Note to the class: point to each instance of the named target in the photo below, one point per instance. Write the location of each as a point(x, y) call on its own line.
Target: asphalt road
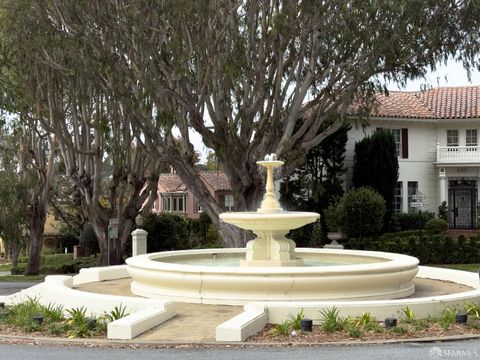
point(448, 350)
point(11, 287)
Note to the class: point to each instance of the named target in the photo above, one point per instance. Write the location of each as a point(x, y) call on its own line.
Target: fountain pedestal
point(271, 248)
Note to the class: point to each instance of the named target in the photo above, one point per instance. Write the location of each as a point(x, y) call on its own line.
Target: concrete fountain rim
point(393, 262)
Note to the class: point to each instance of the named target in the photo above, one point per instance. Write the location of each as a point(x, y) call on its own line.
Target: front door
point(462, 202)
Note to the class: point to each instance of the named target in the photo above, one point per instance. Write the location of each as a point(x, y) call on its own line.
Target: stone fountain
point(271, 268)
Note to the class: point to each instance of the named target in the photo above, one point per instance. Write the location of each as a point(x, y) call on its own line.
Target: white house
point(436, 134)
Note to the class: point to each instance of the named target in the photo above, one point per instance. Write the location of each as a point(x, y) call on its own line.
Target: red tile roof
point(171, 182)
point(218, 180)
point(439, 103)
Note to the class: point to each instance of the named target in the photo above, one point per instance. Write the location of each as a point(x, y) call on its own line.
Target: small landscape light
point(91, 322)
point(306, 325)
point(37, 319)
point(461, 318)
point(390, 322)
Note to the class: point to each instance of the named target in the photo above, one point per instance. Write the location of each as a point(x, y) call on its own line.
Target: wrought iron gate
point(462, 201)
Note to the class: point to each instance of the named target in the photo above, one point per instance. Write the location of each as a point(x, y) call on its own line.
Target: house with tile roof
point(174, 196)
point(436, 134)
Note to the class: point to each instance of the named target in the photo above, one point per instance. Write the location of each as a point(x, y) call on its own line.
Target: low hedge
point(58, 264)
point(429, 249)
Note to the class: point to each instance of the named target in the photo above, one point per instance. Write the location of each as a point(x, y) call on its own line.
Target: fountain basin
point(344, 275)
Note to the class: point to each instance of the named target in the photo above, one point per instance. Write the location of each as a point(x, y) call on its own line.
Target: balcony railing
point(458, 154)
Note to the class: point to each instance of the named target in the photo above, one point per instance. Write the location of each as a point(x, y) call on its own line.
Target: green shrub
point(436, 226)
point(354, 331)
point(443, 211)
point(166, 231)
point(431, 249)
point(412, 221)
point(362, 212)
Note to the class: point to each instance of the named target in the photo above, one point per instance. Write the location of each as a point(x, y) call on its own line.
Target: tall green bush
point(376, 166)
point(362, 212)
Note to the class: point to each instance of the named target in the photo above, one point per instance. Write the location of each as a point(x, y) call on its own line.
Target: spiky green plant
point(118, 312)
point(408, 314)
point(447, 318)
point(473, 309)
point(331, 320)
point(295, 320)
point(281, 329)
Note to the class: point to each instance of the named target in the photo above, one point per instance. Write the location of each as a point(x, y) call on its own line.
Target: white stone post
point(442, 177)
point(139, 242)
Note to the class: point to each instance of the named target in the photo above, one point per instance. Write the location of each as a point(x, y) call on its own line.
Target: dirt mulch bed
point(11, 330)
point(320, 336)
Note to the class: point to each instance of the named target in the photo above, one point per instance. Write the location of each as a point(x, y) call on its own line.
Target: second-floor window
point(452, 137)
point(397, 134)
point(471, 138)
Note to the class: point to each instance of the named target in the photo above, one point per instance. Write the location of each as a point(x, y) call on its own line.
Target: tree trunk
point(101, 232)
point(36, 227)
point(14, 251)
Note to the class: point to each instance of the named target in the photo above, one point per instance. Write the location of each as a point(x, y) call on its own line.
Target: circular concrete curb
point(53, 341)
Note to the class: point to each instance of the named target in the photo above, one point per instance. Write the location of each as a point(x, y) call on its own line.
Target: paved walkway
point(193, 322)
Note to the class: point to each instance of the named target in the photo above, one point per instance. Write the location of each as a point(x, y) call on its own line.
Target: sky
point(451, 74)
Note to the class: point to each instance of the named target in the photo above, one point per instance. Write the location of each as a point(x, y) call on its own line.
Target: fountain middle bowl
point(347, 275)
point(283, 220)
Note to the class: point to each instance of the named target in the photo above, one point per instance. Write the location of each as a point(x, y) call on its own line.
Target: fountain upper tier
point(270, 223)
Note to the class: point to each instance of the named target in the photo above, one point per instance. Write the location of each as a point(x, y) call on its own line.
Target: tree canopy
point(238, 72)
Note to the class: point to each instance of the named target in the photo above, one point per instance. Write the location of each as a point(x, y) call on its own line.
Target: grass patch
point(5, 267)
point(464, 267)
point(21, 278)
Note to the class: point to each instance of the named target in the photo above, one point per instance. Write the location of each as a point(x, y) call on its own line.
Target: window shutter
point(404, 143)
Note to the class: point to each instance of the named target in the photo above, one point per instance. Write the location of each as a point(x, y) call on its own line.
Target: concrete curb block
point(251, 321)
point(135, 324)
point(95, 274)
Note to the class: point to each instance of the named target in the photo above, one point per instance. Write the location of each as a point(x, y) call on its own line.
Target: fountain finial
point(269, 202)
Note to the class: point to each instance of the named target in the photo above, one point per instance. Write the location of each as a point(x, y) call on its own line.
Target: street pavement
point(448, 350)
point(11, 287)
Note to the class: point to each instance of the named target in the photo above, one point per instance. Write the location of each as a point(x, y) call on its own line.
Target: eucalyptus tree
point(30, 152)
point(239, 71)
point(92, 125)
point(15, 183)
